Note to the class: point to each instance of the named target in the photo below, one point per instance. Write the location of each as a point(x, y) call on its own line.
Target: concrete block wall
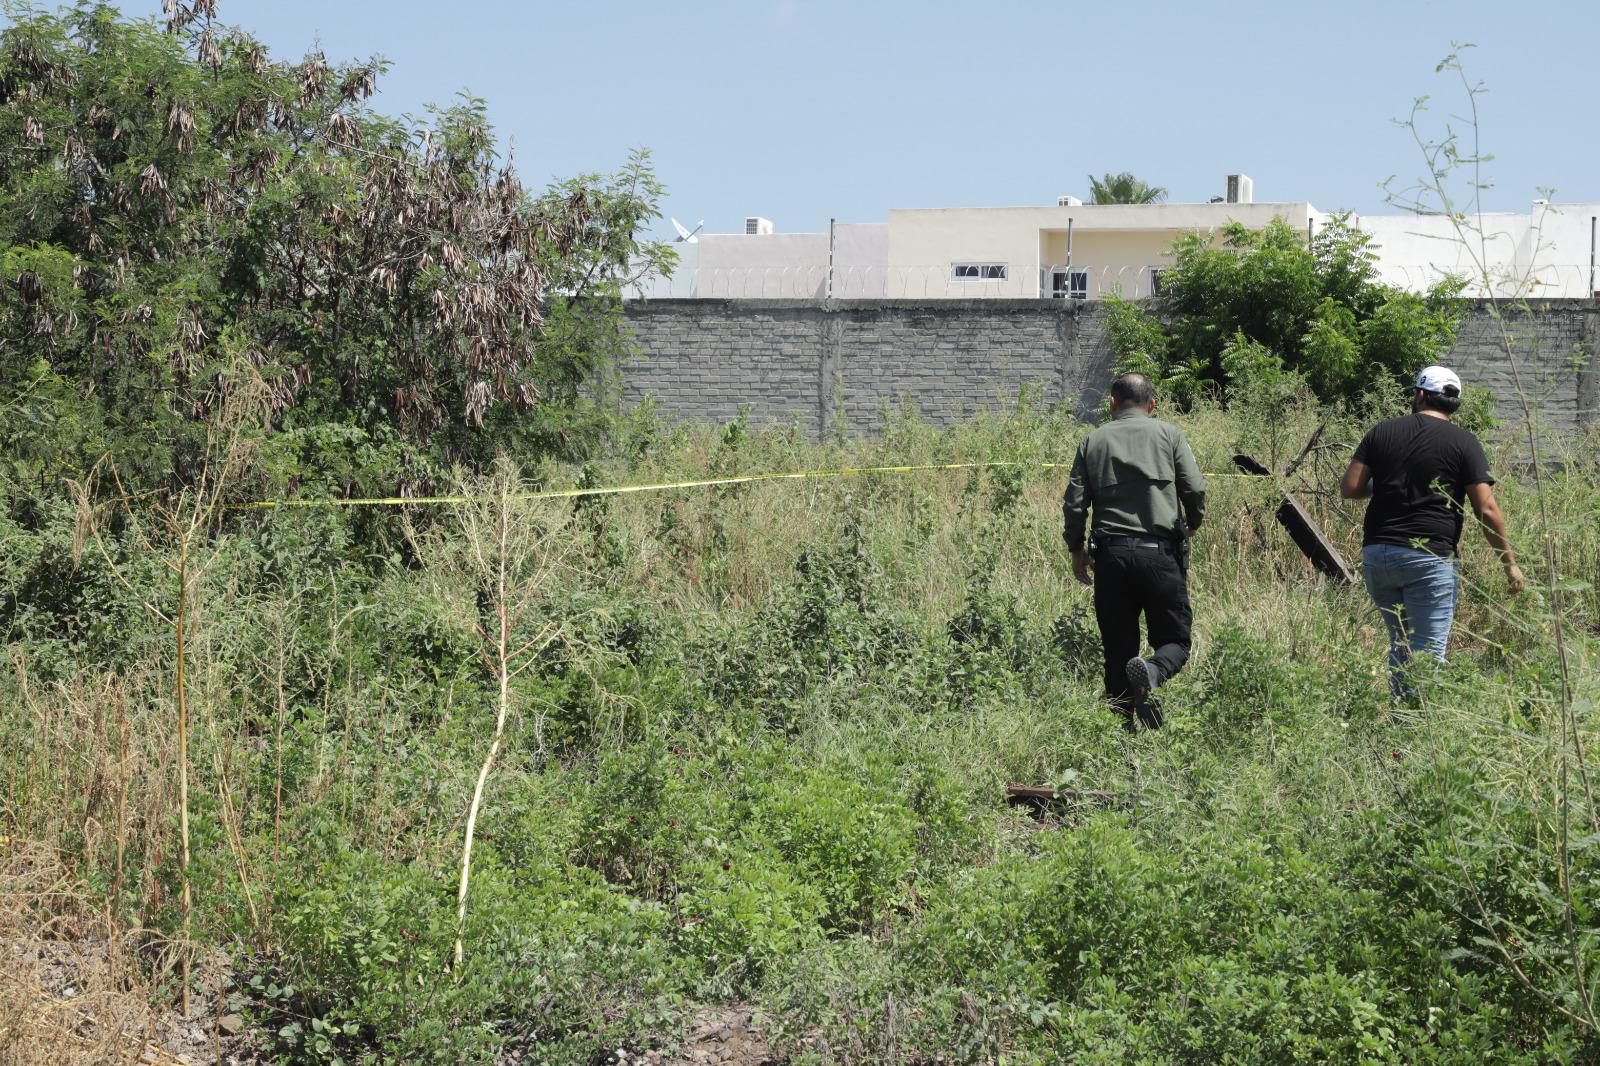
point(947, 365)
point(704, 359)
point(815, 362)
point(1551, 341)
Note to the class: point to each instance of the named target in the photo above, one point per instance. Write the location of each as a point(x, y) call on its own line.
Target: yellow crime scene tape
point(617, 490)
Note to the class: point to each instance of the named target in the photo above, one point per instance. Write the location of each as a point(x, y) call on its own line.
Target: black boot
point(1143, 677)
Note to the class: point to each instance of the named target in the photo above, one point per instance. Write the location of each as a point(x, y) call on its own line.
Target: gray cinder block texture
point(817, 362)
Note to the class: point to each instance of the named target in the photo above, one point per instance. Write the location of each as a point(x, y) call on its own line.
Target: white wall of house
point(1022, 252)
point(1545, 252)
point(781, 265)
point(762, 266)
point(860, 259)
point(677, 285)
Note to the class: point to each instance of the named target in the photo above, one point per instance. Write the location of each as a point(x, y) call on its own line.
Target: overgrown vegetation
point(1270, 315)
point(178, 209)
point(754, 749)
point(534, 780)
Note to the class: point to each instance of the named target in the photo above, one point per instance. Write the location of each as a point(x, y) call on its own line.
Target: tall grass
point(748, 743)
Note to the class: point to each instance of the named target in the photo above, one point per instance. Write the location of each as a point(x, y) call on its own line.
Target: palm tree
point(1123, 188)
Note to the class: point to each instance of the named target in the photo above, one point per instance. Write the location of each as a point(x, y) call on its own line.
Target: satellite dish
point(687, 236)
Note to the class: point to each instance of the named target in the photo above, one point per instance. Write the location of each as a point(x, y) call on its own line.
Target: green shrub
point(852, 839)
point(1075, 638)
point(742, 913)
point(1242, 683)
point(826, 629)
point(628, 828)
point(1268, 308)
point(552, 960)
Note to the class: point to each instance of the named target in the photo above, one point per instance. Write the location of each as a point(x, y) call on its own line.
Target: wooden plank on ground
point(1305, 532)
point(1043, 797)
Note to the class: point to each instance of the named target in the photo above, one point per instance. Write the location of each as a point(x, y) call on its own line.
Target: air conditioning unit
point(755, 225)
point(1240, 189)
point(1068, 201)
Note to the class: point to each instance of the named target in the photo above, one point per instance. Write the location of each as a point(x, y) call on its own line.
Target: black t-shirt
point(1412, 459)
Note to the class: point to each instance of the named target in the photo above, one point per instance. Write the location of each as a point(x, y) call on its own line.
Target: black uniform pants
point(1130, 580)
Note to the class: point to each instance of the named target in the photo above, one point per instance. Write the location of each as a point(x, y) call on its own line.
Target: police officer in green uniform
point(1139, 476)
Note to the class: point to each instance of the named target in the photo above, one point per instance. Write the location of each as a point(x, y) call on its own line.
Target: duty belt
point(1118, 540)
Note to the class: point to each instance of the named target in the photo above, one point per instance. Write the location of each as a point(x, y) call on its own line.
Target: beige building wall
point(1118, 242)
point(924, 245)
point(770, 266)
point(1119, 263)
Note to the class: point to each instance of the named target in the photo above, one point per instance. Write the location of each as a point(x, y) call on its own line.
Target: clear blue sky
point(801, 109)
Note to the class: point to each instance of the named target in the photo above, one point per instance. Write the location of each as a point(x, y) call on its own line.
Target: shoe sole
point(1139, 677)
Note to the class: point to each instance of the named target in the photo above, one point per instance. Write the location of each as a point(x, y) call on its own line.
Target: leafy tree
point(1123, 188)
point(1265, 309)
point(178, 209)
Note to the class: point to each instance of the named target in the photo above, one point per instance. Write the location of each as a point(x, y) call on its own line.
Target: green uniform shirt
point(1136, 471)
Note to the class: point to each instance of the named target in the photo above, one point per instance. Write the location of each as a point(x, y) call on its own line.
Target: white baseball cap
point(1440, 379)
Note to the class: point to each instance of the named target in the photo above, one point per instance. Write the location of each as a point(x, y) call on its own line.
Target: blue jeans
point(1416, 592)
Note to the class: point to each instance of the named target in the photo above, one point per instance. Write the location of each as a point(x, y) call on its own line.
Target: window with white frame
point(1155, 280)
point(1070, 284)
point(977, 272)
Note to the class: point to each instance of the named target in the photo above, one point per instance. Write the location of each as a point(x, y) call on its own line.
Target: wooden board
point(1043, 797)
point(1305, 533)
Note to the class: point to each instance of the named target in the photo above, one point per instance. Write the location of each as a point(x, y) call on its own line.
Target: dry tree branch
point(516, 559)
point(188, 516)
point(503, 698)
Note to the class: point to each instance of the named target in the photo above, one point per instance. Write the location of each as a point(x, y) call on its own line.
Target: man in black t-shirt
point(1419, 471)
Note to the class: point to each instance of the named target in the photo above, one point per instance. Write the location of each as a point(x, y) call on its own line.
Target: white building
point(762, 264)
point(1073, 250)
point(1549, 252)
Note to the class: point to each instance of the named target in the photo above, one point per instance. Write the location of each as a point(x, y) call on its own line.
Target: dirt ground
point(729, 1035)
point(60, 1006)
point(70, 996)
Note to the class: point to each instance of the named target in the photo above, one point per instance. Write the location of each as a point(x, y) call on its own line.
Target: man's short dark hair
point(1132, 390)
point(1447, 402)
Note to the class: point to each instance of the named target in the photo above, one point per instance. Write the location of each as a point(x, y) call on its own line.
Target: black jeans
point(1129, 581)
